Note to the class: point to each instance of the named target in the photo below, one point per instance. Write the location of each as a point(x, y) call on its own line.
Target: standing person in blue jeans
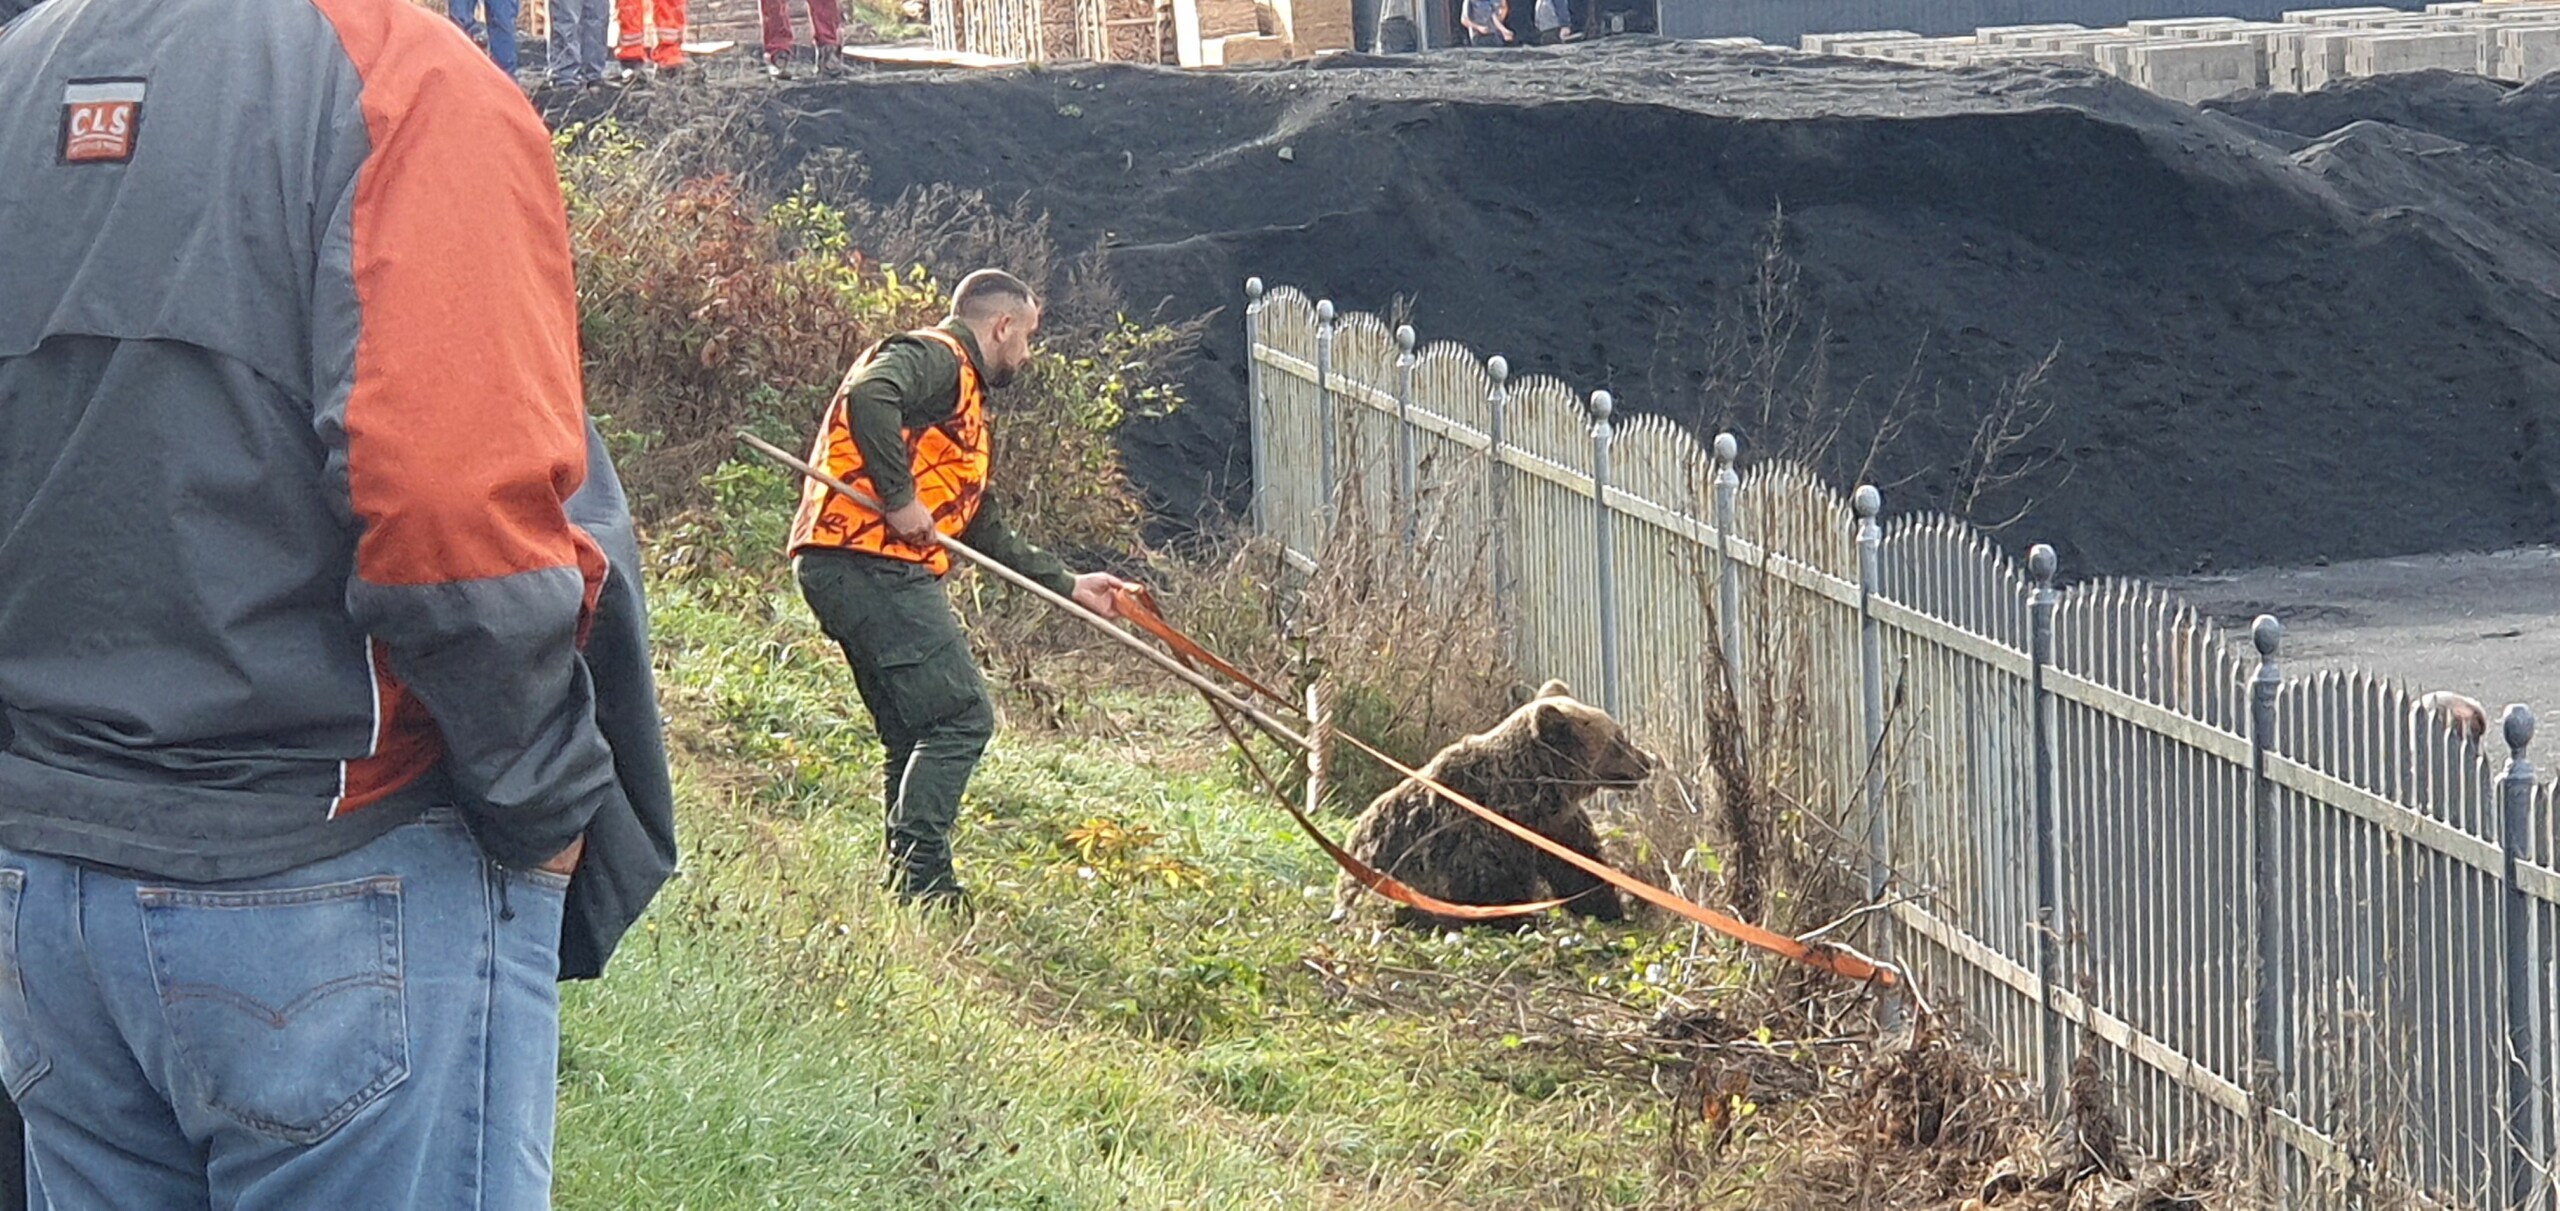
point(498, 35)
point(581, 42)
point(304, 773)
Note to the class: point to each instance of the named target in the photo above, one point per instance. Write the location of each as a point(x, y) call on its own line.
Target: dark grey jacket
point(290, 428)
point(631, 840)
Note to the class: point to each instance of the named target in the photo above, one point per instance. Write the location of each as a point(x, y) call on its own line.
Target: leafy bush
point(709, 307)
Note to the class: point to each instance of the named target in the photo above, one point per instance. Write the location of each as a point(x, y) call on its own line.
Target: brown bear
point(1539, 766)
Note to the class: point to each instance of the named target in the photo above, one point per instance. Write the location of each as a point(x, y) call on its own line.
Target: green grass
point(883, 19)
point(1138, 1027)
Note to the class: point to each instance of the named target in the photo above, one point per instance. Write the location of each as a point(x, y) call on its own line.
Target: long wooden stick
point(1832, 957)
point(1188, 677)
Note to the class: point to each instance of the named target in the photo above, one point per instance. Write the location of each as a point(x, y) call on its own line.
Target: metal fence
point(2299, 921)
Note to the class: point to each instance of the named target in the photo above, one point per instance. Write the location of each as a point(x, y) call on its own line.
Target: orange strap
point(1139, 607)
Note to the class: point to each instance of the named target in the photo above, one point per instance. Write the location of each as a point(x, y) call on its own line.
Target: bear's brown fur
point(1539, 767)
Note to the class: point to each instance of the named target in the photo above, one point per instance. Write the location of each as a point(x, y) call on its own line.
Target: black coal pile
point(2293, 329)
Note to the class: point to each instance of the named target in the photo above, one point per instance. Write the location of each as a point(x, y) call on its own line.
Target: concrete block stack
point(2199, 58)
point(2309, 60)
point(2518, 58)
point(2384, 54)
point(1873, 50)
point(2525, 52)
point(2180, 27)
point(1855, 42)
point(2026, 36)
point(2085, 45)
point(2343, 18)
point(2116, 58)
point(1942, 52)
point(2192, 71)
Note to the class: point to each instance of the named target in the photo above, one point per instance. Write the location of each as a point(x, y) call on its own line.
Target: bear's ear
point(1555, 689)
point(1552, 725)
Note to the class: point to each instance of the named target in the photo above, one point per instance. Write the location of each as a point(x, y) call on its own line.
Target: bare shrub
point(1760, 365)
point(1402, 639)
point(2002, 455)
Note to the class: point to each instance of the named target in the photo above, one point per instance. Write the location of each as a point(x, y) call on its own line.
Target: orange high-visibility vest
point(949, 459)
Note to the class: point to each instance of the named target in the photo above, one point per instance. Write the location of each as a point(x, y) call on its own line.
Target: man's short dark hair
point(988, 292)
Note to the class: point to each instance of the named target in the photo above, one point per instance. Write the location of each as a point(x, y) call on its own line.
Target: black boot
point(920, 872)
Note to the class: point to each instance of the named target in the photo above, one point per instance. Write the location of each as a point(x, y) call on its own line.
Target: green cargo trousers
point(915, 672)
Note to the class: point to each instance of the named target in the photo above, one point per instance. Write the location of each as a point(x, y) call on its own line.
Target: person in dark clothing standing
point(13, 1129)
point(322, 651)
point(909, 426)
point(1487, 22)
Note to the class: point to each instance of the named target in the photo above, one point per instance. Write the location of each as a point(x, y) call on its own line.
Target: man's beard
point(1001, 377)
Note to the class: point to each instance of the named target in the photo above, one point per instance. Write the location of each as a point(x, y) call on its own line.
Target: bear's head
point(1586, 745)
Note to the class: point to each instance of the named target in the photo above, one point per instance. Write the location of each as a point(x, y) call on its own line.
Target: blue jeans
point(501, 27)
point(380, 1029)
point(581, 40)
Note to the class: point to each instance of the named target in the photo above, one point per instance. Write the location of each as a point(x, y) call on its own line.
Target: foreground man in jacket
point(301, 753)
point(910, 427)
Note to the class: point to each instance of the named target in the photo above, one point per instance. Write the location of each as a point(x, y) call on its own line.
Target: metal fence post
point(1601, 436)
point(1868, 503)
point(1326, 421)
point(1498, 477)
point(1258, 409)
point(2524, 1076)
point(2041, 604)
point(1407, 471)
point(1728, 576)
point(2266, 1008)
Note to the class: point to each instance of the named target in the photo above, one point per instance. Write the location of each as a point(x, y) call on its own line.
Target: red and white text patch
point(100, 120)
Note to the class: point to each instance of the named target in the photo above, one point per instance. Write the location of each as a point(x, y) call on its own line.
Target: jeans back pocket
point(21, 1061)
point(285, 1005)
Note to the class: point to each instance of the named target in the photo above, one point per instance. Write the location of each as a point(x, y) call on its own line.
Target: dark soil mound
point(2523, 122)
point(2270, 349)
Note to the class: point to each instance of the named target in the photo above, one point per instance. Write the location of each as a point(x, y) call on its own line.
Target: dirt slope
point(2524, 121)
point(2273, 347)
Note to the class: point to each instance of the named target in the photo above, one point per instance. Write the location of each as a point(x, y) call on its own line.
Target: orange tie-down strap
point(1139, 607)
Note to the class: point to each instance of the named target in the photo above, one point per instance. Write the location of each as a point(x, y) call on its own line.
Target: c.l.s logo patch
point(101, 119)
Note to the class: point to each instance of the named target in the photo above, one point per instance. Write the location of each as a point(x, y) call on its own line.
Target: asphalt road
point(2485, 625)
